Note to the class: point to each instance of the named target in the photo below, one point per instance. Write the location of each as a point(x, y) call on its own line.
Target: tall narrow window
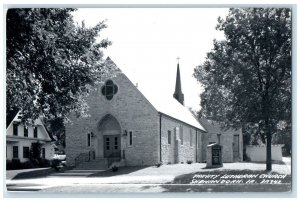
point(43, 153)
point(25, 152)
point(116, 142)
point(35, 132)
point(169, 137)
point(15, 152)
point(88, 139)
point(25, 131)
point(130, 138)
point(15, 129)
point(181, 134)
point(191, 137)
point(219, 138)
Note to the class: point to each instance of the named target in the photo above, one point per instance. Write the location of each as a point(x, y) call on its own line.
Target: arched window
point(109, 89)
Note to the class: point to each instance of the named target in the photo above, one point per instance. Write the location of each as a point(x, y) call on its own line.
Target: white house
point(19, 138)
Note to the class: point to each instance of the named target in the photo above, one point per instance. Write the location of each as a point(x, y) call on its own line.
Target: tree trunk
point(269, 147)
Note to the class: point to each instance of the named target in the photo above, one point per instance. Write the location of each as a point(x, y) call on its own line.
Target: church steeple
point(178, 95)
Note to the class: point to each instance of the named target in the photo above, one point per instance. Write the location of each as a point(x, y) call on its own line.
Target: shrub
point(158, 164)
point(35, 151)
point(114, 168)
point(15, 164)
point(27, 165)
point(9, 165)
point(169, 163)
point(189, 161)
point(44, 163)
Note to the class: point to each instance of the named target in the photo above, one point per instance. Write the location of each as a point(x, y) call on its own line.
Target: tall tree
point(247, 76)
point(51, 62)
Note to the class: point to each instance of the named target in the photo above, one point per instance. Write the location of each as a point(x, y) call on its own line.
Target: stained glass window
point(109, 89)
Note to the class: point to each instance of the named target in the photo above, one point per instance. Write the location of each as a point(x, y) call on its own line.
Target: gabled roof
point(214, 127)
point(17, 119)
point(167, 104)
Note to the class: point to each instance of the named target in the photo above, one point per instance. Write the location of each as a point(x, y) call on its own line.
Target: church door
point(112, 146)
point(235, 148)
point(109, 139)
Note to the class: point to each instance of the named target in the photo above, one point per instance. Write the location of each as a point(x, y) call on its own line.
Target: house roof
point(167, 105)
point(17, 119)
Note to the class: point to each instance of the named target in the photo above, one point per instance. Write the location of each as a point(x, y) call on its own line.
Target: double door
point(112, 146)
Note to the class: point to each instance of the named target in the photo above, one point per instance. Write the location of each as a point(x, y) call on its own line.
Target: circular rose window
point(109, 89)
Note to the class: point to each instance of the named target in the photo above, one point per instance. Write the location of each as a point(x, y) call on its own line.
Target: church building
point(128, 126)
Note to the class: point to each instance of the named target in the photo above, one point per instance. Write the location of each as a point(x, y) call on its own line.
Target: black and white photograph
point(148, 99)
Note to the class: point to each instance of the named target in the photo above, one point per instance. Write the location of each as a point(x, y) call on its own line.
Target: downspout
point(159, 137)
point(196, 145)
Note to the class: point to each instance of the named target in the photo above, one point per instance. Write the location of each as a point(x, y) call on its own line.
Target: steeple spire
point(178, 95)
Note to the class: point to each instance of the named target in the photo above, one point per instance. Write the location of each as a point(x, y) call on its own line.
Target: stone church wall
point(226, 140)
point(134, 114)
point(186, 151)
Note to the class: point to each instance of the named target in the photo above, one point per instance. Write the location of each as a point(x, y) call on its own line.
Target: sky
point(146, 43)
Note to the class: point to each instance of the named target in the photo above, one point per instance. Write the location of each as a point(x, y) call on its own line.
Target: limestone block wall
point(186, 151)
point(134, 114)
point(226, 140)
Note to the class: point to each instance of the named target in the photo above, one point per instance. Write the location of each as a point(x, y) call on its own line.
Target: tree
point(35, 152)
point(57, 128)
point(247, 76)
point(51, 62)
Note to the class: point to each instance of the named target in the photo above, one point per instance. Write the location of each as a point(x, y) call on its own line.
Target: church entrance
point(109, 140)
point(112, 145)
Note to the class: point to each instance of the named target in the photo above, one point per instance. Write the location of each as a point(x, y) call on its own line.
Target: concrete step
point(76, 173)
point(97, 164)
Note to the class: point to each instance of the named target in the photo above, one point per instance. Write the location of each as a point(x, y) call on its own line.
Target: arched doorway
point(110, 131)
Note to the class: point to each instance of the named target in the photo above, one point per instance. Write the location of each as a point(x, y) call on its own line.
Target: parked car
point(59, 160)
point(60, 155)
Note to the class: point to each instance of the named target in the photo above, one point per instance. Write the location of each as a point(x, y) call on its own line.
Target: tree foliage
point(51, 62)
point(35, 151)
point(247, 76)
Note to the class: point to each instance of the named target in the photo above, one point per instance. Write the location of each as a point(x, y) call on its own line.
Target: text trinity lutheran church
point(129, 128)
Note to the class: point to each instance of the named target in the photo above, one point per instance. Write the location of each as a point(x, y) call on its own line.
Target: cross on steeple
point(178, 58)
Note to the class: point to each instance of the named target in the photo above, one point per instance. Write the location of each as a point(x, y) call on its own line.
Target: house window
point(191, 137)
point(25, 131)
point(15, 152)
point(88, 139)
point(181, 135)
point(15, 129)
point(109, 89)
point(35, 132)
point(130, 138)
point(169, 137)
point(43, 153)
point(25, 152)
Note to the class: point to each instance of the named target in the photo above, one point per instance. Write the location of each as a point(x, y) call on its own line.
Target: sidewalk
point(135, 175)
